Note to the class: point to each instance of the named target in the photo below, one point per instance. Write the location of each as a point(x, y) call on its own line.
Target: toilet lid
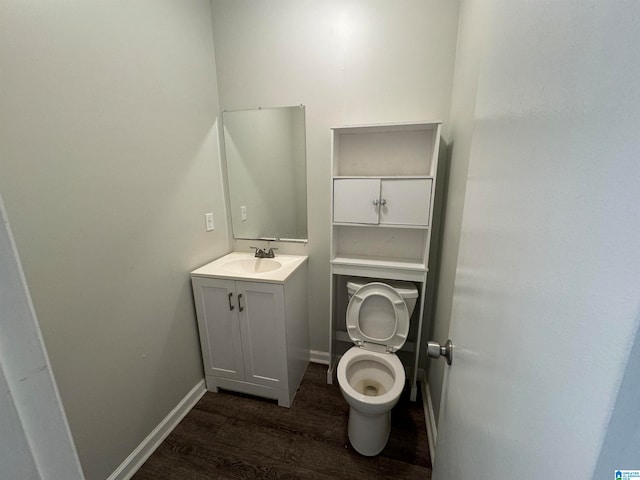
point(377, 318)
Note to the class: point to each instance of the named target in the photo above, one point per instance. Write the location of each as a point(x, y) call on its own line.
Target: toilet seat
point(384, 327)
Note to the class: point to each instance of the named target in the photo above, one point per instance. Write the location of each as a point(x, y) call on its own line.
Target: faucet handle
point(259, 251)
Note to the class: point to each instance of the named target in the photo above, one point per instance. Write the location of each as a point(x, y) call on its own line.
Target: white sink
point(252, 265)
point(245, 266)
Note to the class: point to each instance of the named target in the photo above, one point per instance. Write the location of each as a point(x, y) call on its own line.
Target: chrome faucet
point(264, 253)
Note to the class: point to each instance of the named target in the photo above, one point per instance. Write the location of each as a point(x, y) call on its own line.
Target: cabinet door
point(407, 201)
point(354, 200)
point(262, 324)
point(219, 327)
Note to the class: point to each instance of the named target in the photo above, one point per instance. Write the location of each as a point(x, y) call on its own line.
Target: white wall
point(348, 62)
point(108, 162)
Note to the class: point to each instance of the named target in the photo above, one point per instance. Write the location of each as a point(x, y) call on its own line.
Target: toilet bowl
point(370, 375)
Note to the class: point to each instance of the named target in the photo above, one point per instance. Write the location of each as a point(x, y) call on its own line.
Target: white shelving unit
point(383, 181)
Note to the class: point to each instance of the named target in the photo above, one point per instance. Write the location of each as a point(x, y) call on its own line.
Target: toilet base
point(368, 434)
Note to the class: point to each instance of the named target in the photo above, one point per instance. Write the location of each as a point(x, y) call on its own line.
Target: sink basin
point(252, 265)
point(245, 266)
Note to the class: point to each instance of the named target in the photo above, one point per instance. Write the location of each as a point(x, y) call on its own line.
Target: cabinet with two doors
point(382, 201)
point(383, 185)
point(253, 334)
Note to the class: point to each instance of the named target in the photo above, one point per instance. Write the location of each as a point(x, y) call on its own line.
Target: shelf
point(390, 244)
point(383, 177)
point(386, 150)
point(369, 261)
point(387, 127)
point(381, 225)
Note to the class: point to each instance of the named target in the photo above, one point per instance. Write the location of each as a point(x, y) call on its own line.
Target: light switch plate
point(209, 220)
point(243, 212)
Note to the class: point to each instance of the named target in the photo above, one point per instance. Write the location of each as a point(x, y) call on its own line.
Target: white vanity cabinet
point(253, 334)
point(383, 186)
point(243, 323)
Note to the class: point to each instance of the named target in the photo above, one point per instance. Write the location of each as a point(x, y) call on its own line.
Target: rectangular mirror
point(266, 171)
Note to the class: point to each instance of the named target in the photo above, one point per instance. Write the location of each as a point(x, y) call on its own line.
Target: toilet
point(370, 375)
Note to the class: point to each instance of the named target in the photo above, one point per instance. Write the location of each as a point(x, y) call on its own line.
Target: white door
point(35, 439)
point(263, 333)
point(405, 201)
point(547, 288)
point(356, 200)
point(218, 324)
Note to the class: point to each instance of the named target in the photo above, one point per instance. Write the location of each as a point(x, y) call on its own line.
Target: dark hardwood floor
point(234, 436)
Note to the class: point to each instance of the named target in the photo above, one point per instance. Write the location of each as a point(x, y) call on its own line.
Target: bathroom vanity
point(383, 184)
point(252, 319)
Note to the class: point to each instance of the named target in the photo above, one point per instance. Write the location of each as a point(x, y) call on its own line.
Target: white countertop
point(217, 269)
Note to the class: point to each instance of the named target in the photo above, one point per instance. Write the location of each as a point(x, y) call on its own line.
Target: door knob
point(435, 350)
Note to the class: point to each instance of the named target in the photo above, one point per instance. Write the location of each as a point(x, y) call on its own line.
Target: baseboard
point(143, 451)
point(317, 356)
point(429, 416)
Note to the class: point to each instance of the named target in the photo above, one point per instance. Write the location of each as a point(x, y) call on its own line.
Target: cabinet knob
point(383, 202)
point(240, 307)
point(230, 305)
point(376, 202)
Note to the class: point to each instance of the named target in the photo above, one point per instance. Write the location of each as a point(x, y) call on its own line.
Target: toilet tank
point(407, 290)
